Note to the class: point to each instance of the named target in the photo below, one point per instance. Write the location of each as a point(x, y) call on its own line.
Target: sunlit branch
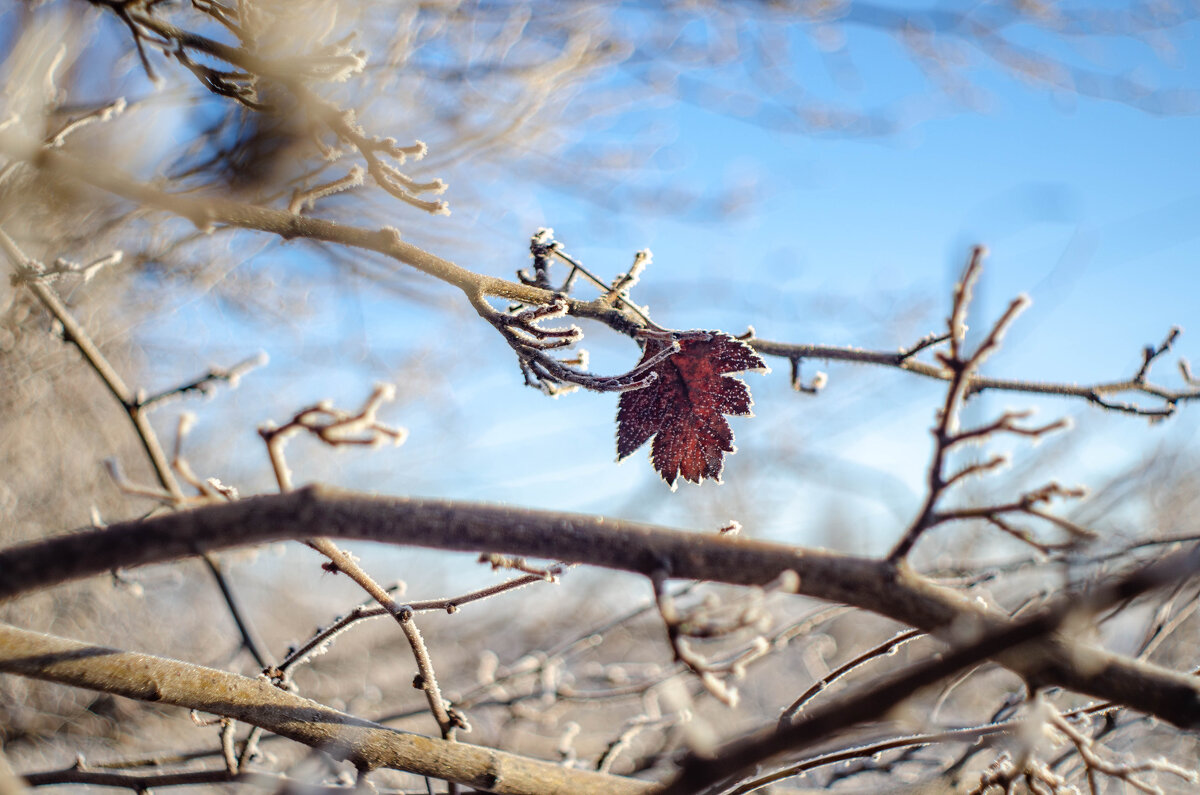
point(257, 702)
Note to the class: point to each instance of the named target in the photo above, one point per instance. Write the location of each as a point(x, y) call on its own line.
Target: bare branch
point(888, 647)
point(257, 702)
point(207, 212)
point(205, 384)
point(341, 428)
point(875, 585)
point(1100, 394)
point(321, 639)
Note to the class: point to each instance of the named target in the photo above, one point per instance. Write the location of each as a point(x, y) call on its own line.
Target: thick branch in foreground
point(257, 702)
point(890, 590)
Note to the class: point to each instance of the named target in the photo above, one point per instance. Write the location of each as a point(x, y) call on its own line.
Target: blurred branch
point(80, 773)
point(680, 627)
point(986, 33)
point(29, 272)
point(206, 212)
point(872, 702)
point(335, 65)
point(1124, 770)
point(10, 784)
point(249, 636)
point(335, 427)
point(876, 585)
point(205, 384)
point(257, 702)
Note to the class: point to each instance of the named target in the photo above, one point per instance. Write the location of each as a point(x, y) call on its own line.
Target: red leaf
point(684, 408)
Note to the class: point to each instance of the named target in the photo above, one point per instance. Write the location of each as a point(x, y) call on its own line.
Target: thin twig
point(204, 384)
point(27, 273)
point(948, 435)
point(971, 734)
point(888, 647)
point(337, 428)
point(447, 719)
point(249, 636)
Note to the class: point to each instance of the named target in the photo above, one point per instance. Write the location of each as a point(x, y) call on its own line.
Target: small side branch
point(531, 342)
point(334, 427)
point(338, 428)
point(948, 436)
point(205, 384)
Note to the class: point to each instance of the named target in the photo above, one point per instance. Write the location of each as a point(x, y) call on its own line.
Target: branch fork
point(963, 368)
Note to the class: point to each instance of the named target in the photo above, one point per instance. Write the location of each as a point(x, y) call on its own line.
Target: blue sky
point(1089, 206)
